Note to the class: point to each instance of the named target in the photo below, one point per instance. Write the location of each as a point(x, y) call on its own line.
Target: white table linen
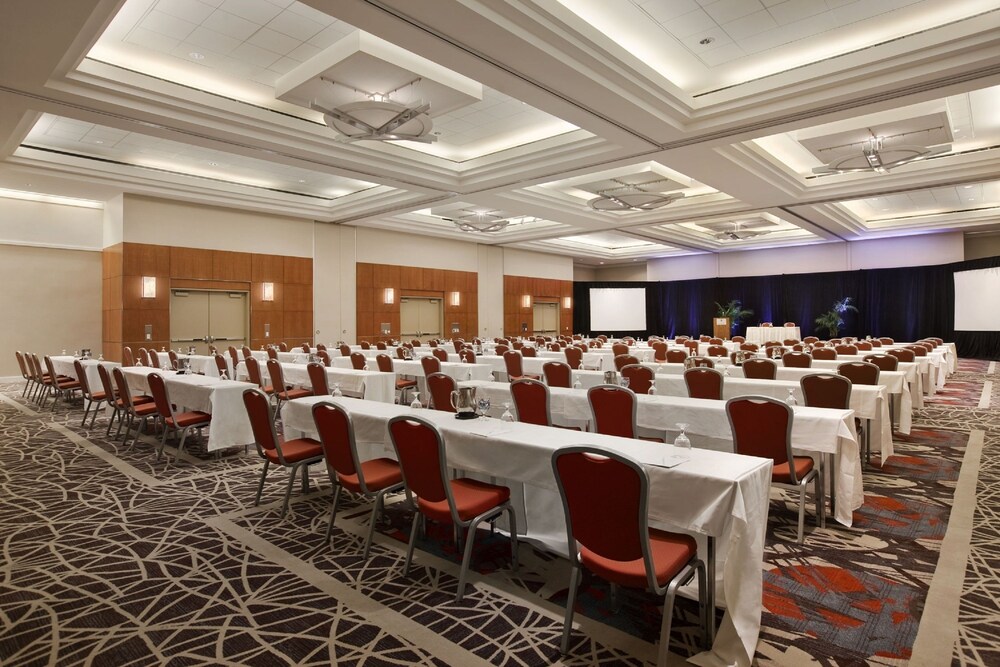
point(722, 495)
point(371, 385)
point(761, 335)
point(63, 365)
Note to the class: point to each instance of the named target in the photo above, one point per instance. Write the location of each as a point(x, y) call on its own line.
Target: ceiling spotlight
point(194, 55)
point(633, 197)
point(378, 118)
point(880, 158)
point(737, 233)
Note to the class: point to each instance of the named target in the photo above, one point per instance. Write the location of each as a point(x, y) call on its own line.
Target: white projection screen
point(977, 300)
point(617, 309)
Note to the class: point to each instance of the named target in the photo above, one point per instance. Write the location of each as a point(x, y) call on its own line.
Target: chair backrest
point(365, 345)
point(772, 343)
point(874, 342)
point(789, 324)
point(788, 342)
point(501, 349)
point(512, 361)
point(123, 391)
point(809, 340)
point(864, 346)
point(717, 351)
point(261, 416)
point(272, 353)
point(885, 362)
point(345, 350)
point(619, 348)
point(233, 354)
point(415, 342)
point(106, 382)
point(614, 410)
point(796, 360)
point(283, 346)
point(320, 347)
point(420, 451)
point(885, 340)
point(760, 369)
point(325, 358)
point(702, 362)
point(440, 353)
point(859, 372)
point(529, 351)
point(715, 341)
point(557, 374)
point(824, 353)
point(381, 345)
point(762, 426)
point(640, 378)
point(903, 354)
point(846, 349)
point(220, 364)
point(430, 364)
point(612, 524)
point(738, 339)
point(154, 359)
point(826, 390)
point(749, 347)
point(158, 388)
point(676, 356)
point(574, 357)
point(358, 361)
point(767, 324)
point(703, 338)
point(918, 350)
point(276, 374)
point(400, 354)
point(127, 358)
point(144, 357)
point(175, 361)
point(692, 346)
point(531, 401)
point(623, 360)
point(253, 370)
point(467, 355)
point(336, 433)
point(81, 377)
point(384, 362)
point(660, 351)
point(440, 387)
point(317, 378)
point(703, 383)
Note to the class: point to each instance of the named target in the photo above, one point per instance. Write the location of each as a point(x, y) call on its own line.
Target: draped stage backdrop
point(905, 304)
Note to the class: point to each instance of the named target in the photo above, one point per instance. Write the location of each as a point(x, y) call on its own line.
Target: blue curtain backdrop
point(905, 304)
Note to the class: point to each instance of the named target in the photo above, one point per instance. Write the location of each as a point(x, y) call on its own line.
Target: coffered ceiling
point(723, 108)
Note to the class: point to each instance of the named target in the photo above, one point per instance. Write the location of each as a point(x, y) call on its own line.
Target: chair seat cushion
point(98, 396)
point(525, 377)
point(405, 384)
point(379, 474)
point(297, 450)
point(472, 498)
point(145, 409)
point(292, 394)
point(185, 419)
point(670, 552)
point(69, 384)
point(782, 473)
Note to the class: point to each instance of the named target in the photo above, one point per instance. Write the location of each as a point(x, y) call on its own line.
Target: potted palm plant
point(833, 319)
point(734, 310)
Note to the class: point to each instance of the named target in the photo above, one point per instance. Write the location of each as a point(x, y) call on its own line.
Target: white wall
point(874, 254)
point(176, 223)
point(536, 264)
point(584, 274)
point(51, 301)
point(633, 272)
point(24, 222)
point(490, 283)
point(978, 246)
point(379, 246)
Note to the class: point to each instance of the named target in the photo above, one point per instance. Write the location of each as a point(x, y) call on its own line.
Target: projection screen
point(977, 300)
point(617, 309)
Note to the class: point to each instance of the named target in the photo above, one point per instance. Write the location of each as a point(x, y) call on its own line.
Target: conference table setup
point(719, 497)
point(63, 364)
point(367, 384)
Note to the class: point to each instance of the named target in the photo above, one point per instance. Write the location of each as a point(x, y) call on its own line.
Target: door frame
point(424, 296)
point(186, 286)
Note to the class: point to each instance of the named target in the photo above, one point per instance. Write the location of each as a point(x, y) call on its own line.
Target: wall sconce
point(389, 296)
point(526, 301)
point(567, 302)
point(148, 287)
point(268, 292)
point(455, 298)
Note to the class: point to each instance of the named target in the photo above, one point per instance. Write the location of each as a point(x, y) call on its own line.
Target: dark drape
point(905, 304)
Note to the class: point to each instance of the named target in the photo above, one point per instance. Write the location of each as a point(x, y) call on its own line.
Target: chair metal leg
point(376, 510)
point(260, 486)
point(413, 541)
point(463, 574)
point(288, 489)
point(86, 412)
point(819, 490)
point(703, 603)
point(93, 417)
point(512, 519)
point(667, 622)
point(802, 511)
point(615, 599)
point(184, 434)
point(333, 515)
point(574, 576)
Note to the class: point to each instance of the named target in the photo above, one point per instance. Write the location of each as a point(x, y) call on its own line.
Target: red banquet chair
point(463, 502)
point(295, 454)
point(372, 479)
point(824, 353)
point(282, 392)
point(359, 361)
point(173, 421)
point(515, 371)
point(440, 387)
point(531, 402)
point(623, 360)
point(703, 383)
point(796, 360)
point(557, 374)
point(613, 409)
point(640, 378)
point(609, 535)
point(676, 356)
point(318, 379)
point(762, 426)
point(430, 364)
point(574, 357)
point(760, 369)
point(385, 365)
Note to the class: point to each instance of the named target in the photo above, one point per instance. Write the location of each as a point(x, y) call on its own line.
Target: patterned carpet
point(112, 558)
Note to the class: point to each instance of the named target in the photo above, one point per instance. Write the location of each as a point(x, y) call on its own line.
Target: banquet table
point(714, 495)
point(63, 365)
point(204, 364)
point(459, 371)
point(222, 398)
point(371, 385)
point(761, 335)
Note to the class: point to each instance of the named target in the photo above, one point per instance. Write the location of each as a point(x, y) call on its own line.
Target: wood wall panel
point(231, 265)
point(191, 263)
point(545, 289)
point(298, 270)
point(296, 297)
point(267, 269)
point(276, 319)
point(143, 259)
point(298, 326)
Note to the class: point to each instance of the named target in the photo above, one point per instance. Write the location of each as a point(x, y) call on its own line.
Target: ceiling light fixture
point(378, 118)
point(633, 197)
point(487, 222)
point(880, 158)
point(737, 233)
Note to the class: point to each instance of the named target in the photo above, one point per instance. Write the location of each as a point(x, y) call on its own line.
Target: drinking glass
point(507, 415)
point(623, 382)
point(484, 406)
point(791, 400)
point(415, 403)
point(577, 384)
point(336, 389)
point(682, 441)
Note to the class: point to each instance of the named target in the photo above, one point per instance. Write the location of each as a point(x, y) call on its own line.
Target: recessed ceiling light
point(707, 40)
point(602, 262)
point(98, 142)
point(966, 186)
point(302, 180)
point(213, 164)
point(196, 56)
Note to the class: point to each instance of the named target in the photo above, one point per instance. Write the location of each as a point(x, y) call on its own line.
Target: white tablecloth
point(721, 495)
point(222, 398)
point(63, 365)
point(371, 385)
point(760, 335)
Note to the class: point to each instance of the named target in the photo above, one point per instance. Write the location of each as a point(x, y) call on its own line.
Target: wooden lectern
point(720, 327)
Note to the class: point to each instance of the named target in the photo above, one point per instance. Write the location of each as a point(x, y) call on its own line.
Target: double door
point(205, 317)
point(420, 318)
point(546, 318)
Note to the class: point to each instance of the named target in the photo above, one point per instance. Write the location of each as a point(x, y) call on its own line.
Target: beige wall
point(978, 246)
point(536, 264)
point(51, 300)
point(584, 274)
point(632, 272)
point(24, 222)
